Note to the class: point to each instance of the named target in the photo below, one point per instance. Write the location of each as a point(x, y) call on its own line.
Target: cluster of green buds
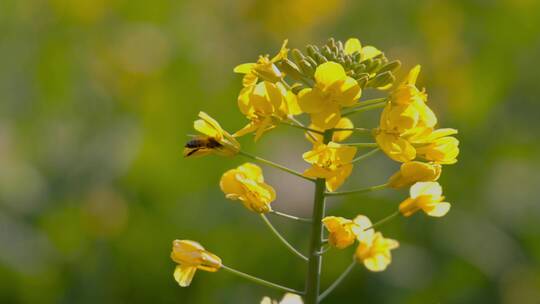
point(367, 65)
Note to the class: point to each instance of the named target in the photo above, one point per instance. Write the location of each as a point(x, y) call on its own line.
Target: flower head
point(333, 90)
point(246, 183)
point(264, 68)
point(332, 162)
point(213, 139)
point(288, 298)
point(264, 104)
point(425, 196)
point(440, 147)
point(340, 229)
point(374, 252)
point(190, 256)
point(343, 232)
point(414, 171)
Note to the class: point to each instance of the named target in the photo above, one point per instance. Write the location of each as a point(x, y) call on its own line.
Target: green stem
point(260, 281)
point(364, 190)
point(366, 155)
point(363, 103)
point(278, 166)
point(282, 239)
point(292, 217)
point(362, 130)
point(384, 220)
point(364, 109)
point(337, 281)
point(300, 127)
point(313, 279)
point(310, 134)
point(362, 145)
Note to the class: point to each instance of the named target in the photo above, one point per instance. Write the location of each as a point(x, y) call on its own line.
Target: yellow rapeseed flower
point(343, 232)
point(340, 231)
point(414, 171)
point(264, 104)
point(426, 196)
point(288, 298)
point(374, 252)
point(264, 68)
point(396, 147)
point(404, 118)
point(213, 139)
point(439, 147)
point(332, 162)
point(333, 90)
point(246, 183)
point(190, 256)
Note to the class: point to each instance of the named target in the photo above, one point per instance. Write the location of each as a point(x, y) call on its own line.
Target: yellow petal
point(343, 123)
point(244, 68)
point(326, 119)
point(426, 188)
point(413, 75)
point(350, 92)
point(369, 52)
point(334, 182)
point(329, 73)
point(230, 185)
point(311, 101)
point(183, 274)
point(352, 45)
point(378, 262)
point(252, 171)
point(438, 209)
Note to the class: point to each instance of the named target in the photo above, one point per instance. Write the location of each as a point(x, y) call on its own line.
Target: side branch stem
point(364, 190)
point(282, 239)
point(337, 281)
point(292, 217)
point(366, 155)
point(384, 220)
point(364, 109)
point(260, 281)
point(278, 166)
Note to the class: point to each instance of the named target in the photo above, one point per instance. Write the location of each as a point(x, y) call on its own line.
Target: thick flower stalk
point(318, 91)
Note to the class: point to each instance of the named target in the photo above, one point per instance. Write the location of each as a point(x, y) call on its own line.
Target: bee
point(200, 145)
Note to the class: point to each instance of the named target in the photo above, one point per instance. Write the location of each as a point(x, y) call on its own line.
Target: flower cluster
point(317, 91)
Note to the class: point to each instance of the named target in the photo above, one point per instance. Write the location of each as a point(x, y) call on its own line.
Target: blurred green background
point(96, 99)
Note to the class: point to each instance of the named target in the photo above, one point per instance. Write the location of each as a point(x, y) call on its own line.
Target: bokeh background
point(96, 99)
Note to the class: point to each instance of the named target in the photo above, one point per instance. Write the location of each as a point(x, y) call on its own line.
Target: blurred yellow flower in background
point(288, 298)
point(374, 252)
point(425, 196)
point(333, 90)
point(414, 171)
point(246, 183)
point(190, 256)
point(332, 162)
point(213, 139)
